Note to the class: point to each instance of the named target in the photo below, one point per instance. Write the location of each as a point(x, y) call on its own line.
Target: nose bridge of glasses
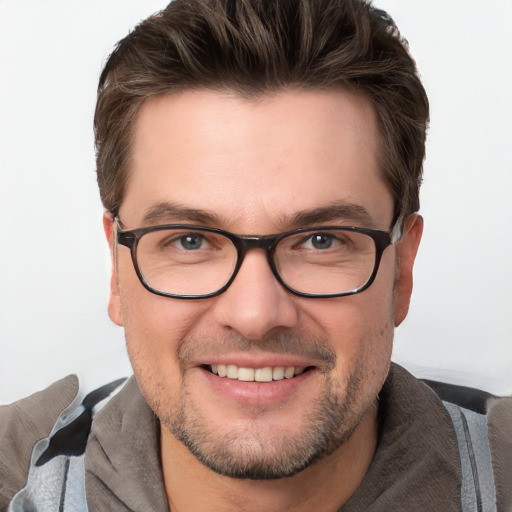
point(246, 243)
point(263, 244)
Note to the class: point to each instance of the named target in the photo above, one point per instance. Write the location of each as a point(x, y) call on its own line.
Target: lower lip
point(255, 393)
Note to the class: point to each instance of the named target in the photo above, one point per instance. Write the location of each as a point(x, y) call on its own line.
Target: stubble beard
point(256, 455)
point(265, 454)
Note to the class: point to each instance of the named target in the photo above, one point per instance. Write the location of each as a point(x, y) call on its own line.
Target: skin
point(250, 166)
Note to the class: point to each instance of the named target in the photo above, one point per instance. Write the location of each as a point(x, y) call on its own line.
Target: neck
point(324, 486)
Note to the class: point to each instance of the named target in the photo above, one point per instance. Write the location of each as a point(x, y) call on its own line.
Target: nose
point(255, 302)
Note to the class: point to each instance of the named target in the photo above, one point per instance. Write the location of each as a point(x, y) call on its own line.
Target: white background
point(54, 264)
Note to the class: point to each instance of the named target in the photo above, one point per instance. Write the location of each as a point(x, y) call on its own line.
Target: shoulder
point(485, 418)
point(500, 440)
point(22, 424)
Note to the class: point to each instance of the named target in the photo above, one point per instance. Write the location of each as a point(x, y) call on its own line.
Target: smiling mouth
point(267, 374)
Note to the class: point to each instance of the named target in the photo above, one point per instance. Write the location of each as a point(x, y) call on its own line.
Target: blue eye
point(191, 242)
point(321, 241)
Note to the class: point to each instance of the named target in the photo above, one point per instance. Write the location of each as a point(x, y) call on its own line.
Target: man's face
point(258, 167)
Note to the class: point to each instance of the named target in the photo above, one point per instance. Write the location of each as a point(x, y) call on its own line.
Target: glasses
point(191, 262)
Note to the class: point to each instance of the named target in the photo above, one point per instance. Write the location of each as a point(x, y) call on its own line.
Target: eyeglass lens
point(196, 262)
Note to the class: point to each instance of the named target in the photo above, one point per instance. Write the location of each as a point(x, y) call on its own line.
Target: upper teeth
point(266, 374)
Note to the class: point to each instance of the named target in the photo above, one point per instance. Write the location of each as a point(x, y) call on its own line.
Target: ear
point(114, 302)
point(406, 254)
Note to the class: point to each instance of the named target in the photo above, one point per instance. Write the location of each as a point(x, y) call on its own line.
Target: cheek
point(153, 324)
point(370, 335)
point(378, 326)
point(154, 328)
point(356, 323)
point(360, 330)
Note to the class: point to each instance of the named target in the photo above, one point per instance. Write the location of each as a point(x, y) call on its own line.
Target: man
point(259, 164)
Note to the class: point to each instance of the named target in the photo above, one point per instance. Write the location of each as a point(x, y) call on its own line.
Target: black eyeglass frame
point(243, 243)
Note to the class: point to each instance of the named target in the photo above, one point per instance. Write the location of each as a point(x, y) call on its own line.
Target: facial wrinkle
point(316, 350)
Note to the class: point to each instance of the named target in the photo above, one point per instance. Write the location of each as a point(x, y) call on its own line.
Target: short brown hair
point(257, 46)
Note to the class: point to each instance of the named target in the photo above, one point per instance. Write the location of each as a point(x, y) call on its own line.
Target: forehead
point(255, 162)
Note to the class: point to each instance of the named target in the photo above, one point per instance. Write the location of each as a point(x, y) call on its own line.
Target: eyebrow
point(163, 213)
point(339, 211)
